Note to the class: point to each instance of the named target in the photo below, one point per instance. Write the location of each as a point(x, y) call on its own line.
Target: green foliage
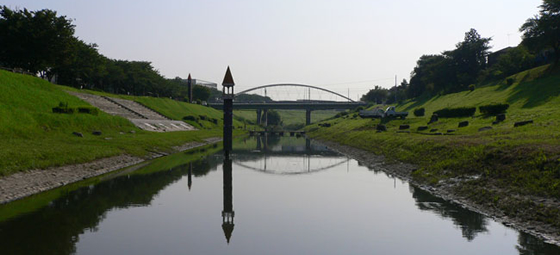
point(493, 109)
point(191, 118)
point(472, 87)
point(419, 112)
point(456, 112)
point(451, 71)
point(542, 31)
point(273, 118)
point(201, 93)
point(89, 110)
point(34, 40)
point(377, 95)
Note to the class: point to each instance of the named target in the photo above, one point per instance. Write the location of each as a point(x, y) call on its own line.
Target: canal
point(276, 196)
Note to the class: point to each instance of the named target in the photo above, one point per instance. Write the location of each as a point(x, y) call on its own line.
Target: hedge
point(456, 112)
point(493, 109)
point(419, 112)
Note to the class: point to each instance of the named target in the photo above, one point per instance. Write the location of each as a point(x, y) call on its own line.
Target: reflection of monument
point(228, 213)
point(189, 182)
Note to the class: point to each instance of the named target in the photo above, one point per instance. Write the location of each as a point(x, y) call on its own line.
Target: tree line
point(43, 43)
point(471, 62)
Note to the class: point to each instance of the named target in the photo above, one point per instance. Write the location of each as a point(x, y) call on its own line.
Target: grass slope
point(33, 137)
point(505, 160)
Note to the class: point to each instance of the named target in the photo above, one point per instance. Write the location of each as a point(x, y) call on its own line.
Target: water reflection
point(57, 228)
point(227, 213)
point(470, 223)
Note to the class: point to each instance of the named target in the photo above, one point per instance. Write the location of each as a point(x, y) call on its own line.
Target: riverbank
point(449, 191)
point(23, 184)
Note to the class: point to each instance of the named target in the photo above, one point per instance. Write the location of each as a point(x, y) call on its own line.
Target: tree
point(377, 95)
point(201, 93)
point(36, 41)
point(543, 30)
point(469, 57)
point(273, 118)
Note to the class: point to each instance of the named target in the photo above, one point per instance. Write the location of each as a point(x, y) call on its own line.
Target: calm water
point(279, 196)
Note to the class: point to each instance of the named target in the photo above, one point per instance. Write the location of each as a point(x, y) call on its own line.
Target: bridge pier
point(307, 117)
point(265, 118)
point(259, 115)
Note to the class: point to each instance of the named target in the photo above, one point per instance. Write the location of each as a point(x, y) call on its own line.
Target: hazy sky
point(335, 44)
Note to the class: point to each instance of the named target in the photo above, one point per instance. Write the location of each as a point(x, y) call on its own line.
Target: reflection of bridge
point(301, 156)
point(307, 105)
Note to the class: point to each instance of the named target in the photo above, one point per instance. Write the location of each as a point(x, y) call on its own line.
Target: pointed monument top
point(228, 229)
point(189, 77)
point(228, 79)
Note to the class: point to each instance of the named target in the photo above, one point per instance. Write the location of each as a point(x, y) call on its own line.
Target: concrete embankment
point(23, 184)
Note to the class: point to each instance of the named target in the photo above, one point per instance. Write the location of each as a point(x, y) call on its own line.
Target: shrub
point(341, 114)
point(493, 109)
point(191, 118)
point(419, 112)
point(456, 112)
point(88, 110)
point(359, 108)
point(203, 117)
point(510, 81)
point(63, 108)
point(472, 87)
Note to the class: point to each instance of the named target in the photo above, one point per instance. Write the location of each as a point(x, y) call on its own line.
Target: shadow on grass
point(536, 92)
point(420, 101)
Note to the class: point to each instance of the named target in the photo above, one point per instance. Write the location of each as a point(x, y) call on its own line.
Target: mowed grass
point(523, 159)
point(33, 137)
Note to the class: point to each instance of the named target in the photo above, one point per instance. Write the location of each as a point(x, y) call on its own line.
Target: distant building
point(210, 85)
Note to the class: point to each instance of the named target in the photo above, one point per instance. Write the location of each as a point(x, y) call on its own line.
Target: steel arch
point(293, 85)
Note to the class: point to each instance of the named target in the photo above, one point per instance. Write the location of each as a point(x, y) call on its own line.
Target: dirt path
point(23, 184)
point(448, 192)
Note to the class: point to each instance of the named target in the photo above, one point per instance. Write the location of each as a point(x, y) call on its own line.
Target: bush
point(493, 109)
point(472, 87)
point(203, 117)
point(510, 81)
point(88, 110)
point(341, 114)
point(456, 112)
point(359, 108)
point(63, 108)
point(191, 118)
point(419, 112)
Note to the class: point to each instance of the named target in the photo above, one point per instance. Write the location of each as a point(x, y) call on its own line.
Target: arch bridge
point(305, 104)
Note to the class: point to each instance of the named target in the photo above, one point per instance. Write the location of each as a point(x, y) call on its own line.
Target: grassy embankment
point(33, 137)
point(506, 161)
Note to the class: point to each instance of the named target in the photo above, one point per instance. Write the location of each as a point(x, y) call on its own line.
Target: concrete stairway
point(138, 114)
point(143, 111)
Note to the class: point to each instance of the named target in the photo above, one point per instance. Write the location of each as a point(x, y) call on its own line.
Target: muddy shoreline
point(23, 184)
point(548, 233)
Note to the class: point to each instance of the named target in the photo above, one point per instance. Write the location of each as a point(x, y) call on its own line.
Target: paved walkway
point(138, 114)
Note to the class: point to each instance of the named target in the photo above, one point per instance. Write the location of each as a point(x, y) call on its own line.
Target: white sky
point(335, 44)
